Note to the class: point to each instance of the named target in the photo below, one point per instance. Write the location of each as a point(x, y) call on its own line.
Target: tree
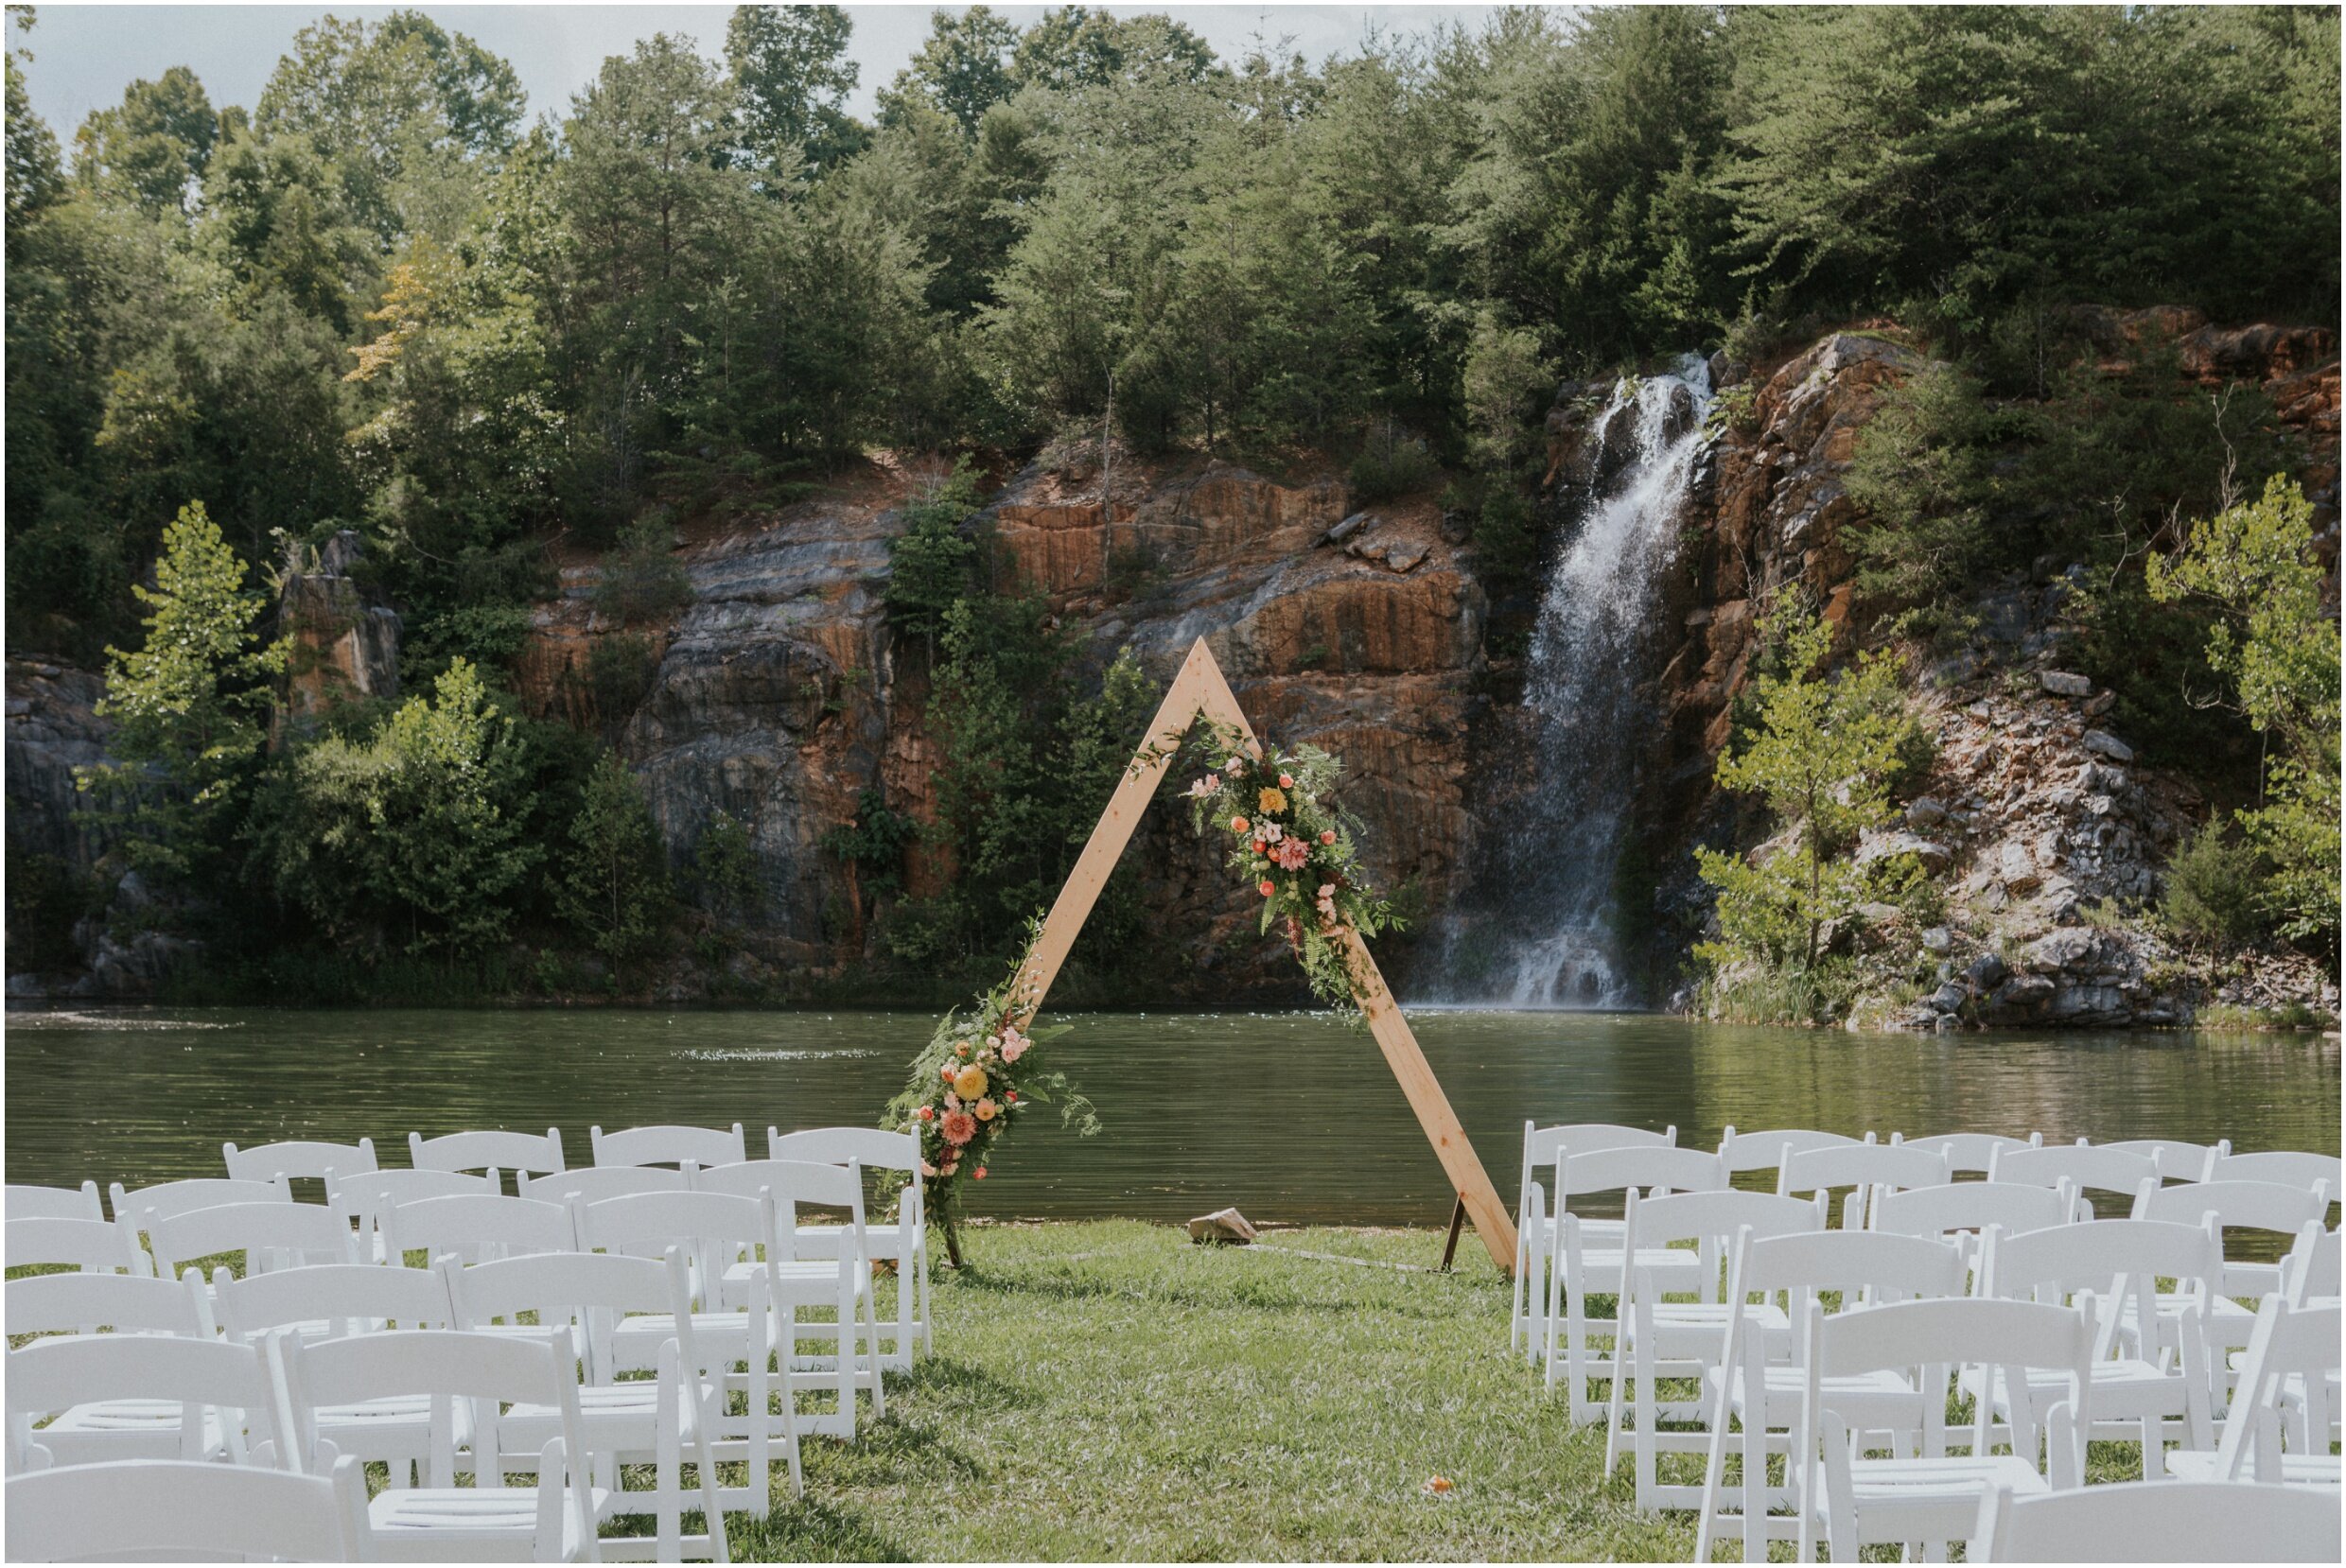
point(1822, 756)
point(963, 67)
point(422, 827)
point(929, 561)
point(192, 706)
point(793, 74)
point(35, 174)
point(1920, 469)
point(154, 147)
point(615, 888)
point(2277, 642)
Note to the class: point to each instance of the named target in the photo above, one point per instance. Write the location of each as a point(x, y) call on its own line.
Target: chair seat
point(2297, 1469)
point(467, 1524)
point(2127, 1389)
point(881, 1241)
point(1601, 1268)
point(124, 1429)
point(2230, 1324)
point(1698, 1329)
point(1935, 1498)
point(1868, 1401)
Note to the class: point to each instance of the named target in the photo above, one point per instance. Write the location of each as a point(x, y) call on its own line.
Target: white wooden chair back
point(347, 1298)
point(363, 1199)
point(54, 1203)
point(2177, 1159)
point(2267, 1206)
point(162, 1508)
point(1767, 1149)
point(1652, 1166)
point(476, 1227)
point(1865, 1169)
point(1970, 1206)
point(715, 1229)
point(522, 1153)
point(874, 1148)
point(166, 1198)
point(300, 1159)
point(2309, 1276)
point(53, 1376)
point(270, 1235)
point(1869, 1266)
point(98, 1246)
point(2081, 1165)
point(1711, 1220)
point(86, 1301)
point(2288, 1167)
point(2159, 1521)
point(1970, 1153)
point(591, 1291)
point(593, 1183)
point(669, 1145)
point(2114, 1263)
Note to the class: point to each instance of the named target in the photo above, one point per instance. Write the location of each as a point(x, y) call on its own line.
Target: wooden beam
point(1200, 688)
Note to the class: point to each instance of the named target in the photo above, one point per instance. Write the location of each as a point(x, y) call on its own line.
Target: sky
point(83, 56)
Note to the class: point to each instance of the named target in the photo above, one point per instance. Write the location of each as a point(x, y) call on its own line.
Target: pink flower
point(952, 1101)
point(1286, 782)
point(927, 1169)
point(1291, 854)
point(1273, 832)
point(1328, 837)
point(960, 1127)
point(946, 1073)
point(1235, 766)
point(1210, 784)
point(1013, 1045)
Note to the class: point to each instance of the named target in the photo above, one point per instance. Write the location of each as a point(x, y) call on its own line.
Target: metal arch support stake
point(1197, 690)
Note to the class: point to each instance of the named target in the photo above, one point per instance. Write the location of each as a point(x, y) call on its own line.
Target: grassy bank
point(1108, 1390)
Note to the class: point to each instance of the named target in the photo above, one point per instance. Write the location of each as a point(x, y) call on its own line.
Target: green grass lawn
point(1109, 1390)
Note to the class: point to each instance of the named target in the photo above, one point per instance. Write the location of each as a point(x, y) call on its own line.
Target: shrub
point(641, 578)
point(2215, 889)
point(1391, 463)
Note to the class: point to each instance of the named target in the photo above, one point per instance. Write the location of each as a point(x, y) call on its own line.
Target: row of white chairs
point(361, 1196)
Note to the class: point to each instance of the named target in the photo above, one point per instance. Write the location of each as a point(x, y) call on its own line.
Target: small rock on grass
point(1222, 1228)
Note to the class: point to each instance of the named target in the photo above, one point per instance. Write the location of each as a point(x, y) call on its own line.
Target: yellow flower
point(1274, 800)
point(969, 1082)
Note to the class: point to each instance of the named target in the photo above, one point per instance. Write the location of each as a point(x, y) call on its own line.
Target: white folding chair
point(838, 1279)
point(631, 1422)
point(476, 1227)
point(337, 1301)
point(669, 1145)
point(1535, 1228)
point(362, 1200)
point(2111, 1263)
point(97, 1245)
point(141, 1396)
point(904, 1241)
point(166, 1198)
point(2310, 1275)
point(2288, 1167)
point(162, 1508)
point(1763, 1392)
point(522, 1153)
point(440, 1520)
point(1768, 1148)
point(2237, 1205)
point(2157, 1522)
point(2083, 1166)
point(299, 1158)
point(1866, 1169)
point(1970, 1153)
point(593, 1183)
point(2268, 1436)
point(1665, 1338)
point(1933, 1497)
point(1577, 1269)
point(54, 1203)
point(2177, 1159)
point(270, 1235)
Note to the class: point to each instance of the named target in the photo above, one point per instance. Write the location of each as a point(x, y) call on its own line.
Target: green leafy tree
point(190, 706)
point(725, 867)
point(1920, 469)
point(1822, 754)
point(792, 74)
point(963, 67)
point(2277, 642)
point(615, 887)
point(154, 145)
point(929, 561)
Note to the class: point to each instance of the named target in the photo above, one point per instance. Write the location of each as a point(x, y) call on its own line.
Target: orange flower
point(1238, 824)
point(979, 1173)
point(1271, 800)
point(988, 1110)
point(1269, 888)
point(1286, 782)
point(1328, 837)
point(960, 1127)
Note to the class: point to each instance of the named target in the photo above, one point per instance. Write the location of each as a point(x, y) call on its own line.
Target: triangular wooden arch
point(1201, 690)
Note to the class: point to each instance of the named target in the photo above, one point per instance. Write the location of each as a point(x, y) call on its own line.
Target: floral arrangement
point(976, 1076)
point(1292, 843)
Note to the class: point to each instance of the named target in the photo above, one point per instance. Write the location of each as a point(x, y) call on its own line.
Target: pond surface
point(1291, 1117)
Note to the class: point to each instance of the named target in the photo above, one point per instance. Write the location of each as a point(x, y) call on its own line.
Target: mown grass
point(1109, 1390)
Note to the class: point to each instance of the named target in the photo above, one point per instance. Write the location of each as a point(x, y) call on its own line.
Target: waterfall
point(1543, 938)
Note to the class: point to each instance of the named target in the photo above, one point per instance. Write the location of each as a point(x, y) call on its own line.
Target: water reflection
point(1289, 1116)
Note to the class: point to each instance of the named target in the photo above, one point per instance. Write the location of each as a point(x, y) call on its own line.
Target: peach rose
point(1328, 837)
point(987, 1109)
point(1238, 824)
point(960, 1127)
point(1267, 887)
point(1286, 782)
point(978, 1175)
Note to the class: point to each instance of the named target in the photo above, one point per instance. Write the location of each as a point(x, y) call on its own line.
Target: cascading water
point(1544, 940)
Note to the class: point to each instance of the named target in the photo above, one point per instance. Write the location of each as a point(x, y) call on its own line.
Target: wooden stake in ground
point(1197, 690)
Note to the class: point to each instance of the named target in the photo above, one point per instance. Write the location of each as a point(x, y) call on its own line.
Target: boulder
point(1925, 812)
point(2102, 743)
point(1939, 941)
point(1949, 997)
point(1872, 846)
point(2062, 684)
point(1222, 1228)
point(1986, 973)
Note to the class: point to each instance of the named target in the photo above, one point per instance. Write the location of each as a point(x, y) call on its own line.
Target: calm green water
point(1289, 1116)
